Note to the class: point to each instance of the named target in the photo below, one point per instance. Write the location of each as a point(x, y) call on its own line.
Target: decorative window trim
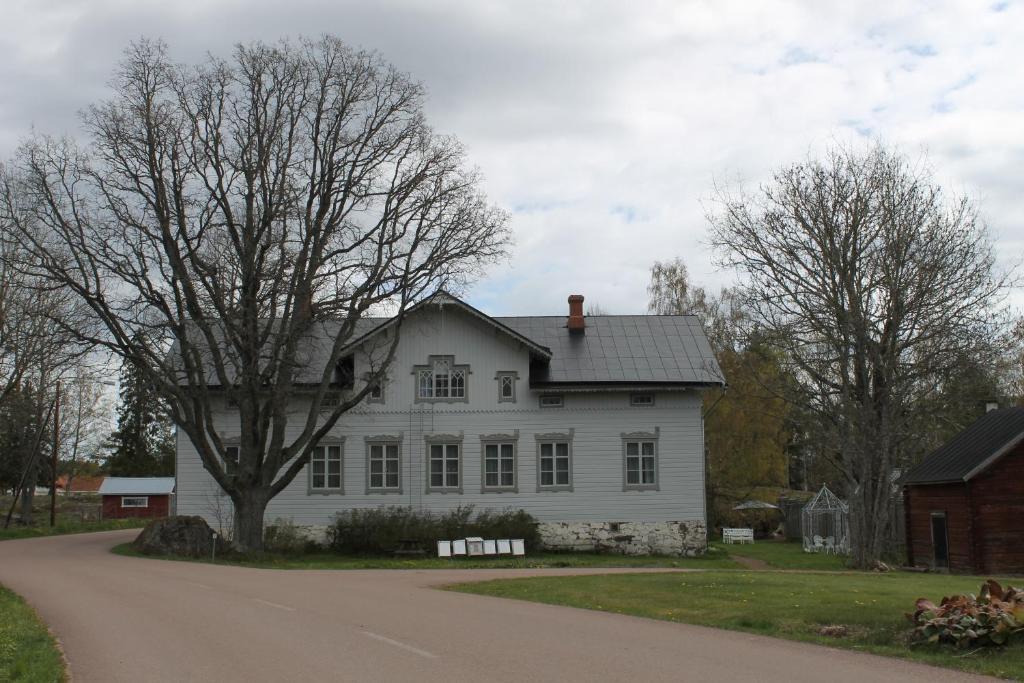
point(418, 370)
point(135, 501)
point(499, 440)
point(550, 398)
point(444, 440)
point(641, 437)
point(377, 388)
point(555, 437)
point(507, 378)
point(384, 441)
point(642, 400)
point(336, 442)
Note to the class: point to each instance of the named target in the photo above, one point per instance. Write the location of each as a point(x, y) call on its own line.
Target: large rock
point(180, 536)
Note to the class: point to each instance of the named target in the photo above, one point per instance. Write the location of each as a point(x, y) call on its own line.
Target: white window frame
point(126, 504)
point(554, 440)
point(384, 444)
point(332, 451)
point(428, 386)
point(644, 400)
point(500, 443)
point(446, 443)
point(507, 379)
point(640, 440)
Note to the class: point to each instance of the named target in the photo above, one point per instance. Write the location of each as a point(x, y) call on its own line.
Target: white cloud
point(603, 125)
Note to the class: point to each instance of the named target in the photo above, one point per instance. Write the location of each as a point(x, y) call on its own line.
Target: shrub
point(284, 537)
point(376, 531)
point(994, 617)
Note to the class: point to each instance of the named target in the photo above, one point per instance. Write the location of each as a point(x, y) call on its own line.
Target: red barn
point(964, 503)
point(136, 497)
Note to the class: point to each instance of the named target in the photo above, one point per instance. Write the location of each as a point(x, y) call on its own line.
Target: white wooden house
point(591, 424)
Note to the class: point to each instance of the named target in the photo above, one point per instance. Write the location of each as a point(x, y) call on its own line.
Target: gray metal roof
point(137, 486)
point(646, 349)
point(614, 350)
point(972, 450)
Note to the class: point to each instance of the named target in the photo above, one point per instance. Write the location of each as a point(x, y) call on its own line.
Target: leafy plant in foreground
point(995, 617)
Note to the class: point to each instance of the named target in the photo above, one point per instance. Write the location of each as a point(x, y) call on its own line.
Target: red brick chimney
point(576, 323)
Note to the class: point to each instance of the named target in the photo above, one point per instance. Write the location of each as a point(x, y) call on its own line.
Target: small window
point(135, 501)
point(330, 401)
point(445, 467)
point(325, 469)
point(554, 467)
point(642, 400)
point(506, 386)
point(551, 401)
point(376, 392)
point(384, 470)
point(641, 464)
point(499, 466)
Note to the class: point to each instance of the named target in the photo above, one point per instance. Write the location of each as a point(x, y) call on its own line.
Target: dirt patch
point(750, 562)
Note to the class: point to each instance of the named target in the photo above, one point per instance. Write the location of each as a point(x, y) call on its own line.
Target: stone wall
point(687, 538)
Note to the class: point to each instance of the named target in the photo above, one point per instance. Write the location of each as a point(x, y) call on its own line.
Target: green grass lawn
point(28, 652)
point(786, 605)
point(714, 560)
point(784, 555)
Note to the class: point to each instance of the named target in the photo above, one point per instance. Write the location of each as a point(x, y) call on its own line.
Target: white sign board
point(504, 546)
point(518, 546)
point(490, 548)
point(444, 548)
point(459, 547)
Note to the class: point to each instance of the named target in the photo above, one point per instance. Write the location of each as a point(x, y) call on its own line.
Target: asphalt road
point(130, 619)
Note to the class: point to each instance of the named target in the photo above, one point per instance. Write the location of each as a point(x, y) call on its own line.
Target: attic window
point(552, 401)
point(441, 380)
point(641, 400)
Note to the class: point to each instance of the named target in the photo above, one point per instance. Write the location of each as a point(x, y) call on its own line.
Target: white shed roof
point(143, 486)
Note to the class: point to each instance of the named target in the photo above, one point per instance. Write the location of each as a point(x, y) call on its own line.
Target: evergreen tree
point(143, 443)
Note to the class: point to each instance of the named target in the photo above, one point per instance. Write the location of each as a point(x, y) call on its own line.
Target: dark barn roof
point(972, 450)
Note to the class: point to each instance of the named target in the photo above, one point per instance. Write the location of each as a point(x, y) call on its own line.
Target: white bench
point(737, 535)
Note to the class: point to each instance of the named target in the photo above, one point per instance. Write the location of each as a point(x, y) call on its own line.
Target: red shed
point(136, 497)
point(964, 503)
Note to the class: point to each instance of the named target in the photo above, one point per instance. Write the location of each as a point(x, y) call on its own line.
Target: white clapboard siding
point(597, 419)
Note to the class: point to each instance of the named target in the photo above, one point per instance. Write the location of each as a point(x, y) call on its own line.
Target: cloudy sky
point(603, 126)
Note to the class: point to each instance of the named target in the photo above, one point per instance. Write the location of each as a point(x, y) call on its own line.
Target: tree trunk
point(250, 507)
point(28, 492)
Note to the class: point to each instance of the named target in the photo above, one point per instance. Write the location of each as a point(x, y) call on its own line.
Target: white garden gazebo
point(825, 524)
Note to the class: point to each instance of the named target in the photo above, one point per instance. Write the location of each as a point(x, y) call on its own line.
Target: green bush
point(287, 539)
point(376, 531)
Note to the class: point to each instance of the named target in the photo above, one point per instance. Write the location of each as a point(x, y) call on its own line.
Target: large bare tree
point(235, 213)
point(876, 284)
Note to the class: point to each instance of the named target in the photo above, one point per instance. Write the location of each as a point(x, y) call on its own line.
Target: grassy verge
point(713, 560)
point(785, 605)
point(28, 652)
point(784, 555)
point(69, 527)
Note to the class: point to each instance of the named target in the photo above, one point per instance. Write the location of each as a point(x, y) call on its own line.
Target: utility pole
point(53, 457)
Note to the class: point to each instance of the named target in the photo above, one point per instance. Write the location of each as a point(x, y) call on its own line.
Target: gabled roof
point(973, 450)
point(137, 486)
point(443, 298)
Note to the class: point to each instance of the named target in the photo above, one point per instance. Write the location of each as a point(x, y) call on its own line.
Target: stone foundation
point(687, 538)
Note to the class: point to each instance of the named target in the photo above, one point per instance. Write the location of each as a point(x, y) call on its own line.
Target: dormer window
point(441, 380)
